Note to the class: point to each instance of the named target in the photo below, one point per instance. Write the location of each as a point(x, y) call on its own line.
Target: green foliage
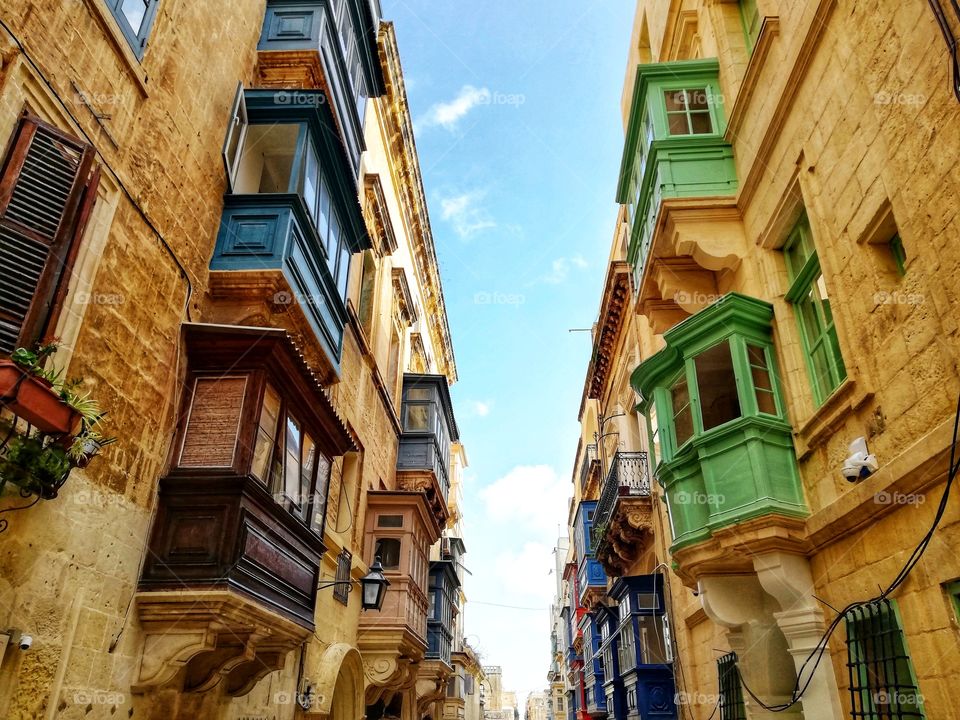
point(35, 463)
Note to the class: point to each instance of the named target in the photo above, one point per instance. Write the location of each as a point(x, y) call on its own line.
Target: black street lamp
point(373, 585)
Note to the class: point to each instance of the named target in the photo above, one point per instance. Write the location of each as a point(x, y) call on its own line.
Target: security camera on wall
point(861, 464)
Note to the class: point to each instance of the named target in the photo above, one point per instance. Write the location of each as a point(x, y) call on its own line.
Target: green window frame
point(899, 254)
point(953, 590)
point(688, 111)
point(808, 295)
point(751, 20)
point(714, 388)
point(883, 683)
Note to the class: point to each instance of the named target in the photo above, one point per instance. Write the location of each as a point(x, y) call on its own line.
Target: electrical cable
point(105, 163)
point(822, 644)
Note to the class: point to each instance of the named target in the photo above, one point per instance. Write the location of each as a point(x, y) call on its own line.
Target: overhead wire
point(821, 647)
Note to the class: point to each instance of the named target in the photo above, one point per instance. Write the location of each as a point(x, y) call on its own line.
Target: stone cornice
point(616, 295)
point(402, 146)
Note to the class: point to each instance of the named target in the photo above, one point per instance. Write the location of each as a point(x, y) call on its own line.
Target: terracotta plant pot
point(32, 399)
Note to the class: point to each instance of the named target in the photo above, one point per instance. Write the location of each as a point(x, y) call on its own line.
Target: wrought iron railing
point(628, 477)
point(589, 457)
point(950, 36)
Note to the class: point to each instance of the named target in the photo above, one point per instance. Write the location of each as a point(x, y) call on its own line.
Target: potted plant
point(35, 464)
point(30, 392)
point(60, 428)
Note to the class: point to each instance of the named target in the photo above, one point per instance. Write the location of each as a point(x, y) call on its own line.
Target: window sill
point(816, 428)
point(119, 41)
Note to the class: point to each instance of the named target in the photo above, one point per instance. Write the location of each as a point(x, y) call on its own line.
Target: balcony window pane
point(291, 475)
point(682, 417)
point(419, 394)
point(268, 155)
point(266, 433)
point(762, 381)
point(319, 508)
point(323, 211)
point(418, 418)
point(688, 112)
point(134, 11)
point(700, 123)
point(678, 124)
point(343, 270)
point(647, 601)
point(717, 384)
point(697, 100)
point(388, 550)
point(307, 465)
point(332, 241)
point(311, 180)
point(652, 644)
point(654, 434)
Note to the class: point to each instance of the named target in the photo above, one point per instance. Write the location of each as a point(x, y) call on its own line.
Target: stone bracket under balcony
point(432, 678)
point(628, 535)
point(696, 244)
point(623, 522)
point(196, 640)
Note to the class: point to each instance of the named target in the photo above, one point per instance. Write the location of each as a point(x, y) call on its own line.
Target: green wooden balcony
point(721, 445)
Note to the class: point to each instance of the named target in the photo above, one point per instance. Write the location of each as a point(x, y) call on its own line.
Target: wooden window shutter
point(47, 190)
point(216, 409)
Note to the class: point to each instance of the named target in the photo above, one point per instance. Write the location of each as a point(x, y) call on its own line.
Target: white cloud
point(465, 213)
point(448, 114)
point(530, 497)
point(560, 269)
point(527, 572)
point(482, 407)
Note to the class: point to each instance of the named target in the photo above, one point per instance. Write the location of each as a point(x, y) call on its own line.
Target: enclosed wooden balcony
point(400, 528)
point(230, 580)
point(321, 45)
point(428, 429)
point(291, 223)
point(678, 183)
point(720, 442)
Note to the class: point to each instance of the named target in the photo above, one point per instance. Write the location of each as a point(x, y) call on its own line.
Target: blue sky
point(516, 107)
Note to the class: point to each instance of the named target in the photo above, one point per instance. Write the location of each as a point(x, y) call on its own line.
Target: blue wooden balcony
point(272, 233)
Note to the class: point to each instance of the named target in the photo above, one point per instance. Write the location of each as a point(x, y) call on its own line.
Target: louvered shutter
point(46, 193)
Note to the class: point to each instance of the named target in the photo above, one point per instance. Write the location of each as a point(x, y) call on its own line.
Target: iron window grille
point(951, 38)
point(883, 685)
point(731, 692)
point(341, 591)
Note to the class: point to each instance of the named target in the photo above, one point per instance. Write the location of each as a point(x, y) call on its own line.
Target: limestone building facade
point(768, 414)
point(217, 211)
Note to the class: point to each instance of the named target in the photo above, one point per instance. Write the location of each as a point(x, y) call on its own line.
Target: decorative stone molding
point(199, 639)
point(695, 243)
point(413, 202)
point(730, 550)
point(431, 683)
point(631, 531)
point(616, 294)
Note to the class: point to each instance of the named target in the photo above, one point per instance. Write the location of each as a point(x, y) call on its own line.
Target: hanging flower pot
point(36, 465)
point(32, 398)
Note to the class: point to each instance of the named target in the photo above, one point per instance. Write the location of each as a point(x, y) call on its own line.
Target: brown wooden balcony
point(230, 580)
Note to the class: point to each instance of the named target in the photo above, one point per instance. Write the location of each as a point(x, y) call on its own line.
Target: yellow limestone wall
point(69, 567)
point(845, 108)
